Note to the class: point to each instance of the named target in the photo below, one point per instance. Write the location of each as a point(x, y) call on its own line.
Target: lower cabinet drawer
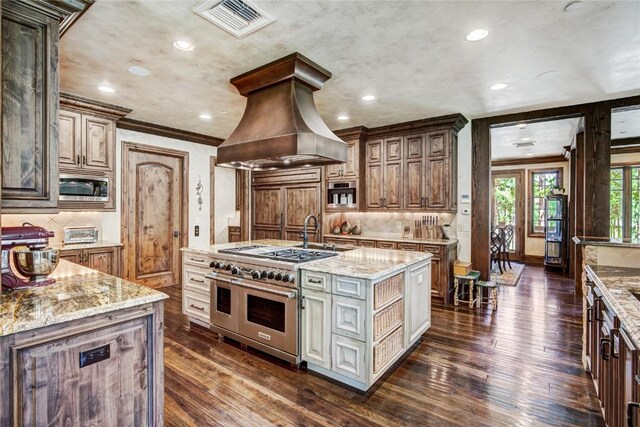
point(387, 245)
point(368, 243)
point(433, 249)
point(196, 260)
point(316, 281)
point(194, 280)
point(349, 287)
point(348, 317)
point(408, 246)
point(348, 357)
point(196, 305)
point(387, 349)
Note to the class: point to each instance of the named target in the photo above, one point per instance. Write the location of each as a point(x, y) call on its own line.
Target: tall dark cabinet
point(556, 236)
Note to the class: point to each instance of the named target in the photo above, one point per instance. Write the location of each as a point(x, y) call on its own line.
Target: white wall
point(463, 229)
point(199, 164)
point(535, 245)
point(625, 158)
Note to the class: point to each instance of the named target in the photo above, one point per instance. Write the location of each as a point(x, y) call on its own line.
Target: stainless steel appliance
point(83, 188)
point(254, 296)
point(26, 259)
point(74, 235)
point(342, 195)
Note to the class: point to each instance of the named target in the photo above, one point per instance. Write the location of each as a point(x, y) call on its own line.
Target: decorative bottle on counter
point(357, 229)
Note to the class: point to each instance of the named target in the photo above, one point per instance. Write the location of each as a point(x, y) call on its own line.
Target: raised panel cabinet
point(436, 194)
point(316, 327)
point(349, 317)
point(419, 305)
point(104, 259)
point(29, 107)
point(99, 143)
point(349, 169)
point(70, 141)
point(383, 175)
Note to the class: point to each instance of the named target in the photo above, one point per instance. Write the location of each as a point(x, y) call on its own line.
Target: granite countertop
point(393, 237)
point(606, 241)
point(366, 263)
point(98, 244)
point(616, 284)
point(79, 292)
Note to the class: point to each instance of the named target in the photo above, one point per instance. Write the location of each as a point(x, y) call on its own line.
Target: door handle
point(302, 303)
point(630, 407)
point(281, 224)
point(84, 160)
point(176, 234)
point(78, 159)
point(590, 314)
point(196, 307)
point(288, 295)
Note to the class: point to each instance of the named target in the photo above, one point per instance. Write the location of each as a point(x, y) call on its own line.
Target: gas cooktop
point(276, 253)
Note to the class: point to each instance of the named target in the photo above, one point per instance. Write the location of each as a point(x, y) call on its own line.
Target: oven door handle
point(288, 295)
point(215, 276)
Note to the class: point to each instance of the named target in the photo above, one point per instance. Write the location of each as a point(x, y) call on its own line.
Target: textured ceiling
point(548, 138)
point(411, 55)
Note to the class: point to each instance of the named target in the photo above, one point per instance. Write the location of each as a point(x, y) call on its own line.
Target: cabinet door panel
point(393, 149)
point(316, 328)
point(351, 168)
point(348, 357)
point(414, 146)
point(374, 151)
point(29, 109)
point(267, 204)
point(70, 140)
point(333, 171)
point(628, 369)
point(436, 286)
point(103, 260)
point(300, 202)
point(71, 255)
point(438, 143)
point(393, 183)
point(98, 149)
point(113, 391)
point(374, 184)
point(414, 185)
point(349, 317)
point(436, 186)
point(418, 306)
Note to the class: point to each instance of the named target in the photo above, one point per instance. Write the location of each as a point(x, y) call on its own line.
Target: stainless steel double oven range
point(255, 296)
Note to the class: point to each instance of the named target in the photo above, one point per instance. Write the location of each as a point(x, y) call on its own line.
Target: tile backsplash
point(384, 222)
point(56, 222)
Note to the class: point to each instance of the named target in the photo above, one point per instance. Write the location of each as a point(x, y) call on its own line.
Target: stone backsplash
point(56, 222)
point(384, 222)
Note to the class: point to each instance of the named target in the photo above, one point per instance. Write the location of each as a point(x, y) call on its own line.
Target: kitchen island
point(86, 350)
point(360, 310)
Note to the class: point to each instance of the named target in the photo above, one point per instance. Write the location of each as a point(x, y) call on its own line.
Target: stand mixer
point(26, 260)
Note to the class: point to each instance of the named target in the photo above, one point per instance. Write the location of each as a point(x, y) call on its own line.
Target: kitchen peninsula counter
point(93, 340)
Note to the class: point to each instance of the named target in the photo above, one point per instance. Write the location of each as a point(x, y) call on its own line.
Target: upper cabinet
point(87, 134)
point(413, 166)
point(350, 170)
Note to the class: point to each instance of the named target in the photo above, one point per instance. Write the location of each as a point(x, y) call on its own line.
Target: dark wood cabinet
point(626, 378)
point(348, 170)
point(70, 141)
point(98, 137)
point(413, 167)
point(234, 234)
point(30, 106)
point(104, 259)
point(279, 210)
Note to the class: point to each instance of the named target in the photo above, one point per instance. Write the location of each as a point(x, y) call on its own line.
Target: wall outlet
point(398, 225)
point(196, 231)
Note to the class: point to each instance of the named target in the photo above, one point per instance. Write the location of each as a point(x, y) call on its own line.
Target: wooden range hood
point(281, 127)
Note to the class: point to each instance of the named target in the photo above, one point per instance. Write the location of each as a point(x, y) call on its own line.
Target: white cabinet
point(349, 358)
point(418, 301)
point(196, 288)
point(349, 317)
point(316, 328)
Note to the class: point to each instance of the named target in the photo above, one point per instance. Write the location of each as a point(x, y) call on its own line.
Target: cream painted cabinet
point(196, 288)
point(418, 307)
point(348, 317)
point(316, 327)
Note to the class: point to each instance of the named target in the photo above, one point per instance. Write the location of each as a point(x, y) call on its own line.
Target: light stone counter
point(95, 245)
point(393, 237)
point(78, 293)
point(616, 284)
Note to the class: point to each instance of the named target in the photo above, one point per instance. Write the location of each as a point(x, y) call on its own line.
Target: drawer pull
point(196, 260)
point(197, 280)
point(196, 307)
point(315, 281)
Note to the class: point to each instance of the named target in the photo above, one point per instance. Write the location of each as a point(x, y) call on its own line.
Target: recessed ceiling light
point(573, 6)
point(522, 125)
point(205, 116)
point(223, 112)
point(478, 34)
point(526, 139)
point(343, 118)
point(529, 154)
point(106, 89)
point(498, 86)
point(182, 45)
point(368, 98)
point(548, 74)
point(138, 71)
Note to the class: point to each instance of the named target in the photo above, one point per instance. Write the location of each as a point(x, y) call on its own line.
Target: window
point(625, 202)
point(541, 183)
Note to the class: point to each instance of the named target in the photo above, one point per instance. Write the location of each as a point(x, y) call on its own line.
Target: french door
point(507, 203)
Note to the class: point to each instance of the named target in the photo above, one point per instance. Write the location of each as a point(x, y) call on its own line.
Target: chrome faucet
point(305, 234)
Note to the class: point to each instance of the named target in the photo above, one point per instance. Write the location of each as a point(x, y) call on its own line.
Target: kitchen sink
point(320, 247)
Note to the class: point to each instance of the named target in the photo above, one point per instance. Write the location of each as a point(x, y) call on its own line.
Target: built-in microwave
point(342, 195)
point(82, 188)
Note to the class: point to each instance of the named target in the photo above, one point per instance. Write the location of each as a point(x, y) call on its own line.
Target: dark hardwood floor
point(519, 366)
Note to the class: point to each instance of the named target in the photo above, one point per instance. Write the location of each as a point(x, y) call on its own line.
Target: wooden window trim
point(626, 194)
point(531, 172)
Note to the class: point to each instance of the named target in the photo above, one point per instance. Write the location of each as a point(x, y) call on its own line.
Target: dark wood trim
point(454, 121)
point(622, 142)
point(534, 259)
point(127, 148)
point(167, 132)
point(69, 101)
point(357, 132)
point(566, 152)
point(626, 104)
point(572, 210)
point(578, 212)
point(625, 150)
point(626, 229)
point(530, 173)
point(245, 214)
point(528, 161)
point(520, 207)
point(481, 190)
point(71, 19)
point(212, 199)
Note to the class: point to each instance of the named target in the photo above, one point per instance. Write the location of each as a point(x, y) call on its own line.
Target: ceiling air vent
point(237, 17)
point(524, 144)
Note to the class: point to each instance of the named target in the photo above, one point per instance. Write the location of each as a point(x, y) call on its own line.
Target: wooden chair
point(507, 238)
point(497, 242)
